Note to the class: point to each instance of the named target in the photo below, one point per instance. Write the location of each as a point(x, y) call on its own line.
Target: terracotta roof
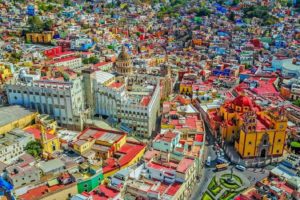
point(37, 133)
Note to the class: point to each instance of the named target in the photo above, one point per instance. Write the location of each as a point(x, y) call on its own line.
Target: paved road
point(251, 176)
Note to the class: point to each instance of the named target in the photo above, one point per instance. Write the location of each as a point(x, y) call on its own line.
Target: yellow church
point(44, 131)
point(255, 132)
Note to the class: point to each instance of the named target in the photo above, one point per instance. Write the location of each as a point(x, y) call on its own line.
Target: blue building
point(30, 10)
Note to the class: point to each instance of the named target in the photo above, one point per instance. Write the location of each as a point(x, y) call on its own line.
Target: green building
point(90, 183)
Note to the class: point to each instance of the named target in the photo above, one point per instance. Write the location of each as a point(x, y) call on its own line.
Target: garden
point(224, 187)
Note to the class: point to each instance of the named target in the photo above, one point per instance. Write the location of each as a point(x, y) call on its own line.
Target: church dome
point(242, 101)
point(123, 55)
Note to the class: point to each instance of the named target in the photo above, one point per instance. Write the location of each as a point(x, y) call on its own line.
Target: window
point(85, 185)
point(16, 98)
point(277, 151)
point(248, 153)
point(250, 142)
point(279, 140)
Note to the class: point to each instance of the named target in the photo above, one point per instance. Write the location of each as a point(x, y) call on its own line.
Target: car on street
point(221, 160)
point(240, 167)
point(208, 161)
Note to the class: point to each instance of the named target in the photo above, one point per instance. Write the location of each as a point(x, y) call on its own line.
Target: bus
point(221, 167)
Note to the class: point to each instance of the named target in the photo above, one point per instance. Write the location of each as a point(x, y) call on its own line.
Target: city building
point(20, 175)
point(132, 104)
point(10, 121)
point(5, 72)
point(13, 145)
point(43, 38)
point(109, 147)
point(167, 172)
point(62, 187)
point(63, 101)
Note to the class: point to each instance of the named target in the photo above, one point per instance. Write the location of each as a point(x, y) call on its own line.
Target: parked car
point(208, 161)
point(240, 167)
point(221, 160)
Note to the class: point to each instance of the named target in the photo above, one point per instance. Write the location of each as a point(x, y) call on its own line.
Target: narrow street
point(207, 172)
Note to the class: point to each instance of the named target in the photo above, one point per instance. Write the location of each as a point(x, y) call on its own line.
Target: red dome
point(242, 101)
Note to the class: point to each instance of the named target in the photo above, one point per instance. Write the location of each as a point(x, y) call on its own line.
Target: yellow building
point(15, 117)
point(254, 132)
point(44, 37)
point(5, 72)
point(186, 87)
point(110, 147)
point(103, 142)
point(44, 131)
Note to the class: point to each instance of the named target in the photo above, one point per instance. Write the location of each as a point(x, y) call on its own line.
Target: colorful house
point(112, 147)
point(5, 72)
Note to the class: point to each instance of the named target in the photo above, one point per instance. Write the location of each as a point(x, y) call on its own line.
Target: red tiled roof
point(38, 192)
point(129, 151)
point(37, 133)
point(184, 164)
point(101, 64)
point(107, 193)
point(65, 59)
point(173, 189)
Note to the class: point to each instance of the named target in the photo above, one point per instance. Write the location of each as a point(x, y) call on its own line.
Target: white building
point(133, 105)
point(21, 176)
point(61, 100)
point(71, 62)
point(13, 144)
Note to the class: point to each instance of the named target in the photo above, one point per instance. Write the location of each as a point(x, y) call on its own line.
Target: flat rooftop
point(12, 113)
point(101, 135)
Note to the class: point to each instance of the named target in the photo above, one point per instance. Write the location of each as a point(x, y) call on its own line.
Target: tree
point(297, 103)
point(93, 60)
point(235, 2)
point(34, 148)
point(67, 3)
point(231, 16)
point(48, 24)
point(36, 24)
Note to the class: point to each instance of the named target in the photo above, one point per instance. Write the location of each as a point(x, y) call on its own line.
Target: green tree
point(48, 24)
point(231, 16)
point(93, 60)
point(67, 3)
point(34, 148)
point(297, 103)
point(35, 24)
point(235, 2)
